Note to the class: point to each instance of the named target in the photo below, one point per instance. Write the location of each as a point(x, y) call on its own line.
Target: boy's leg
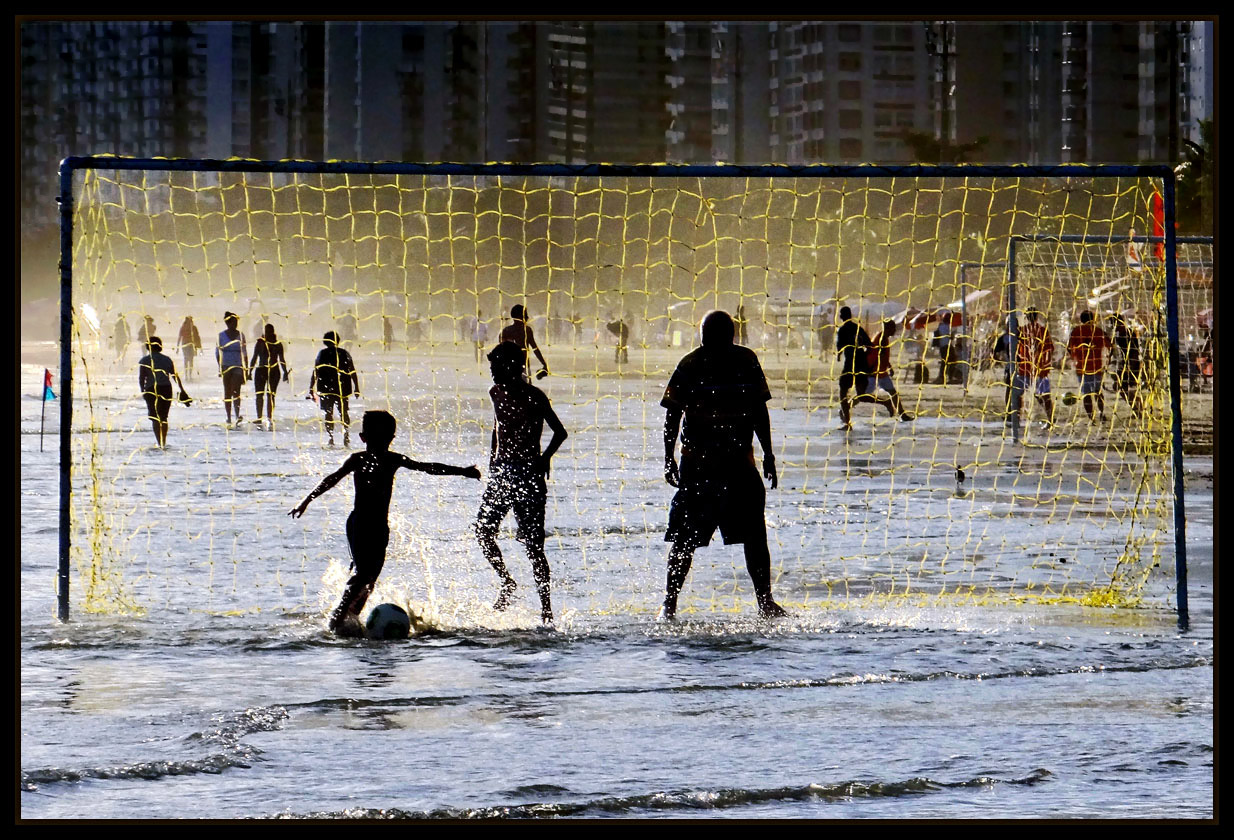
point(327, 405)
point(259, 387)
point(368, 555)
point(493, 508)
point(345, 416)
point(539, 567)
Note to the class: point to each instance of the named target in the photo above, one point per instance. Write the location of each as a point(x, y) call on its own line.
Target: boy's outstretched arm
point(326, 483)
point(559, 437)
point(433, 468)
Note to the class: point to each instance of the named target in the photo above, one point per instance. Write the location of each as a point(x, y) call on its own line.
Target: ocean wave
point(149, 770)
point(679, 800)
point(227, 733)
point(839, 680)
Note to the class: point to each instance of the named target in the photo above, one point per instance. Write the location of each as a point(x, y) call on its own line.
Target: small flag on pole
point(48, 394)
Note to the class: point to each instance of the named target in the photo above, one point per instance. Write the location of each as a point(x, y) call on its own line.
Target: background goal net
point(417, 269)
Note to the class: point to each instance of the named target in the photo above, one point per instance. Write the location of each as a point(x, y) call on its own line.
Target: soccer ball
point(1070, 398)
point(388, 621)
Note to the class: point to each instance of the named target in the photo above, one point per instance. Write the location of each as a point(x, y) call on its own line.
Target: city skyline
point(609, 91)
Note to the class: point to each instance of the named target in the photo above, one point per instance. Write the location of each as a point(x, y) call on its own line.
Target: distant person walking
point(155, 373)
point(387, 333)
point(335, 380)
point(720, 391)
point(1126, 356)
point(120, 337)
point(231, 353)
point(189, 343)
point(517, 471)
point(479, 335)
point(853, 348)
point(619, 329)
point(520, 334)
point(269, 359)
point(146, 331)
point(1087, 345)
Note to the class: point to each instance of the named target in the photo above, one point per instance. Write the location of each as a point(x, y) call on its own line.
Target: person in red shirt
point(882, 373)
point(1034, 357)
point(1087, 346)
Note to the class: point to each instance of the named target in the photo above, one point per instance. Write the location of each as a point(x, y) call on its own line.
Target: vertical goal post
point(1160, 174)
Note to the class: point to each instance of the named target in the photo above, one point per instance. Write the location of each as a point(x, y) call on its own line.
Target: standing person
point(231, 354)
point(269, 357)
point(517, 471)
point(189, 342)
point(520, 333)
point(479, 335)
point(1000, 351)
point(145, 332)
point(121, 336)
point(853, 346)
point(387, 333)
point(619, 329)
point(1034, 358)
point(942, 341)
point(368, 526)
point(1127, 354)
point(154, 375)
point(1087, 345)
point(882, 373)
point(743, 324)
point(334, 375)
point(722, 393)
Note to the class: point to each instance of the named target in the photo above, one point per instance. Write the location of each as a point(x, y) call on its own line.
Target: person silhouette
point(517, 471)
point(721, 392)
point(368, 527)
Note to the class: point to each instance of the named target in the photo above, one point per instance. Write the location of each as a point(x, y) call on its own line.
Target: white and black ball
point(388, 621)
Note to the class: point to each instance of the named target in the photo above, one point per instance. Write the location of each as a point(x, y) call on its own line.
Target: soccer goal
point(417, 268)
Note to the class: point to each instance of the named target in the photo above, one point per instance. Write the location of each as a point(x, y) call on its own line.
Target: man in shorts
point(853, 347)
point(1034, 358)
point(517, 471)
point(232, 355)
point(334, 375)
point(722, 393)
point(1086, 346)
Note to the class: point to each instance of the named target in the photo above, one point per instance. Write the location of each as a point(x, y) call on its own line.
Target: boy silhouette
point(517, 470)
point(368, 528)
point(520, 334)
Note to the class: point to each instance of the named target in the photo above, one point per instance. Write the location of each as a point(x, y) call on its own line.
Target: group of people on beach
point(715, 402)
point(866, 365)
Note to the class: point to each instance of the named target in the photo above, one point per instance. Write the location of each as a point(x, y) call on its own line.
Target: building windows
point(849, 33)
point(850, 148)
point(850, 62)
point(850, 120)
point(850, 90)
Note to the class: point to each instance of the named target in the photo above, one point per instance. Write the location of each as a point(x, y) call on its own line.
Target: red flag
point(48, 393)
point(1158, 207)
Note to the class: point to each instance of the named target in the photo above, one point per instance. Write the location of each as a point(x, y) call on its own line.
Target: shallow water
point(866, 711)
